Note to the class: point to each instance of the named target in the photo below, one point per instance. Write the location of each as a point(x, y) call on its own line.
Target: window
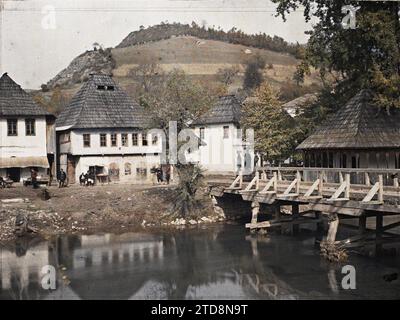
point(113, 140)
point(86, 140)
point(12, 127)
point(101, 88)
point(135, 139)
point(124, 139)
point(325, 160)
point(344, 161)
point(238, 133)
point(144, 139)
point(202, 133)
point(103, 140)
point(30, 127)
point(330, 159)
point(110, 88)
point(154, 139)
point(226, 132)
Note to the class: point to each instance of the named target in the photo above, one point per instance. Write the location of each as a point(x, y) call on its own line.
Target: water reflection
point(222, 262)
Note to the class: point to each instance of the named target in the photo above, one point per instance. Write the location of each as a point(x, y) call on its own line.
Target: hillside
point(201, 59)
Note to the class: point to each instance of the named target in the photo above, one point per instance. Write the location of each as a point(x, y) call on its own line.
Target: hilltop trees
point(235, 36)
point(365, 57)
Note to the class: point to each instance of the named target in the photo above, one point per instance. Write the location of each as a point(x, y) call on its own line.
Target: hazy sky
point(40, 37)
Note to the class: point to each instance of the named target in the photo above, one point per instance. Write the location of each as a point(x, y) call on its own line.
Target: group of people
point(87, 179)
point(163, 173)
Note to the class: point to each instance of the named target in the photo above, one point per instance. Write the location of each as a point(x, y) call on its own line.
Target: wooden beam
point(371, 193)
point(344, 187)
point(312, 188)
point(271, 183)
point(254, 182)
point(237, 183)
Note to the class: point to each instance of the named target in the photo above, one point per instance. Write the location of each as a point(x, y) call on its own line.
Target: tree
point(274, 129)
point(55, 104)
point(179, 99)
point(355, 58)
point(253, 75)
point(147, 74)
point(227, 75)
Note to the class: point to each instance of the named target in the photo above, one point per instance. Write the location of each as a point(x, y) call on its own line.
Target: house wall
point(76, 146)
point(26, 173)
point(23, 145)
point(140, 158)
point(138, 164)
point(219, 154)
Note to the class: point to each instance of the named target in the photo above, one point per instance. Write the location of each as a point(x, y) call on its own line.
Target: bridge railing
point(358, 176)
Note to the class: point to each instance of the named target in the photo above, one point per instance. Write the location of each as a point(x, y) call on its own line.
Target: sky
point(39, 38)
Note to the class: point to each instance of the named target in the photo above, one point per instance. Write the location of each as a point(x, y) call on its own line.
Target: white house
point(26, 133)
point(222, 150)
point(102, 130)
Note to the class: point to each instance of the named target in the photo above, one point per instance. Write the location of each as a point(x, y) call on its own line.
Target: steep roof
point(14, 101)
point(358, 125)
point(295, 107)
point(226, 110)
point(100, 103)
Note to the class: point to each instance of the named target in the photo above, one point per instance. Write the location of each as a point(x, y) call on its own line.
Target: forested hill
point(167, 30)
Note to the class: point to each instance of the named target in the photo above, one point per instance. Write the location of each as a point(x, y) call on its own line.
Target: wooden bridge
point(336, 194)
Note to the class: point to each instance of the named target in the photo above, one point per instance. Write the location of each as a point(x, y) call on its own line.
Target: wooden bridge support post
point(333, 227)
point(255, 209)
point(295, 215)
point(378, 230)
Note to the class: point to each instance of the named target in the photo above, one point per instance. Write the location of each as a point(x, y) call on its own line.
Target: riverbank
point(112, 208)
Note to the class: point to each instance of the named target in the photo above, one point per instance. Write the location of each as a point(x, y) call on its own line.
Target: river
point(214, 262)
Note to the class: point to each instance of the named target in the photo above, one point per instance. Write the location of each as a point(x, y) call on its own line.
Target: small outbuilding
point(359, 135)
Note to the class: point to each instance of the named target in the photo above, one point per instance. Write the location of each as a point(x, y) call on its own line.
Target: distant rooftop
point(295, 106)
point(226, 110)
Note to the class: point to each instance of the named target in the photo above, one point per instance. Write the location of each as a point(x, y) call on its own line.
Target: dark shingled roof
point(226, 110)
point(358, 125)
point(95, 108)
point(14, 101)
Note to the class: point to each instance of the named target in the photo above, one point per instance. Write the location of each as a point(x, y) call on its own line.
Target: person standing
point(34, 178)
point(63, 177)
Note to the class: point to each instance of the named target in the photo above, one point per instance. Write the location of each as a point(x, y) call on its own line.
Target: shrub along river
point(214, 262)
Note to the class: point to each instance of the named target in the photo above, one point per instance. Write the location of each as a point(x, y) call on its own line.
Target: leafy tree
point(227, 75)
point(179, 99)
point(365, 57)
point(55, 103)
point(253, 75)
point(147, 75)
point(190, 180)
point(274, 130)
